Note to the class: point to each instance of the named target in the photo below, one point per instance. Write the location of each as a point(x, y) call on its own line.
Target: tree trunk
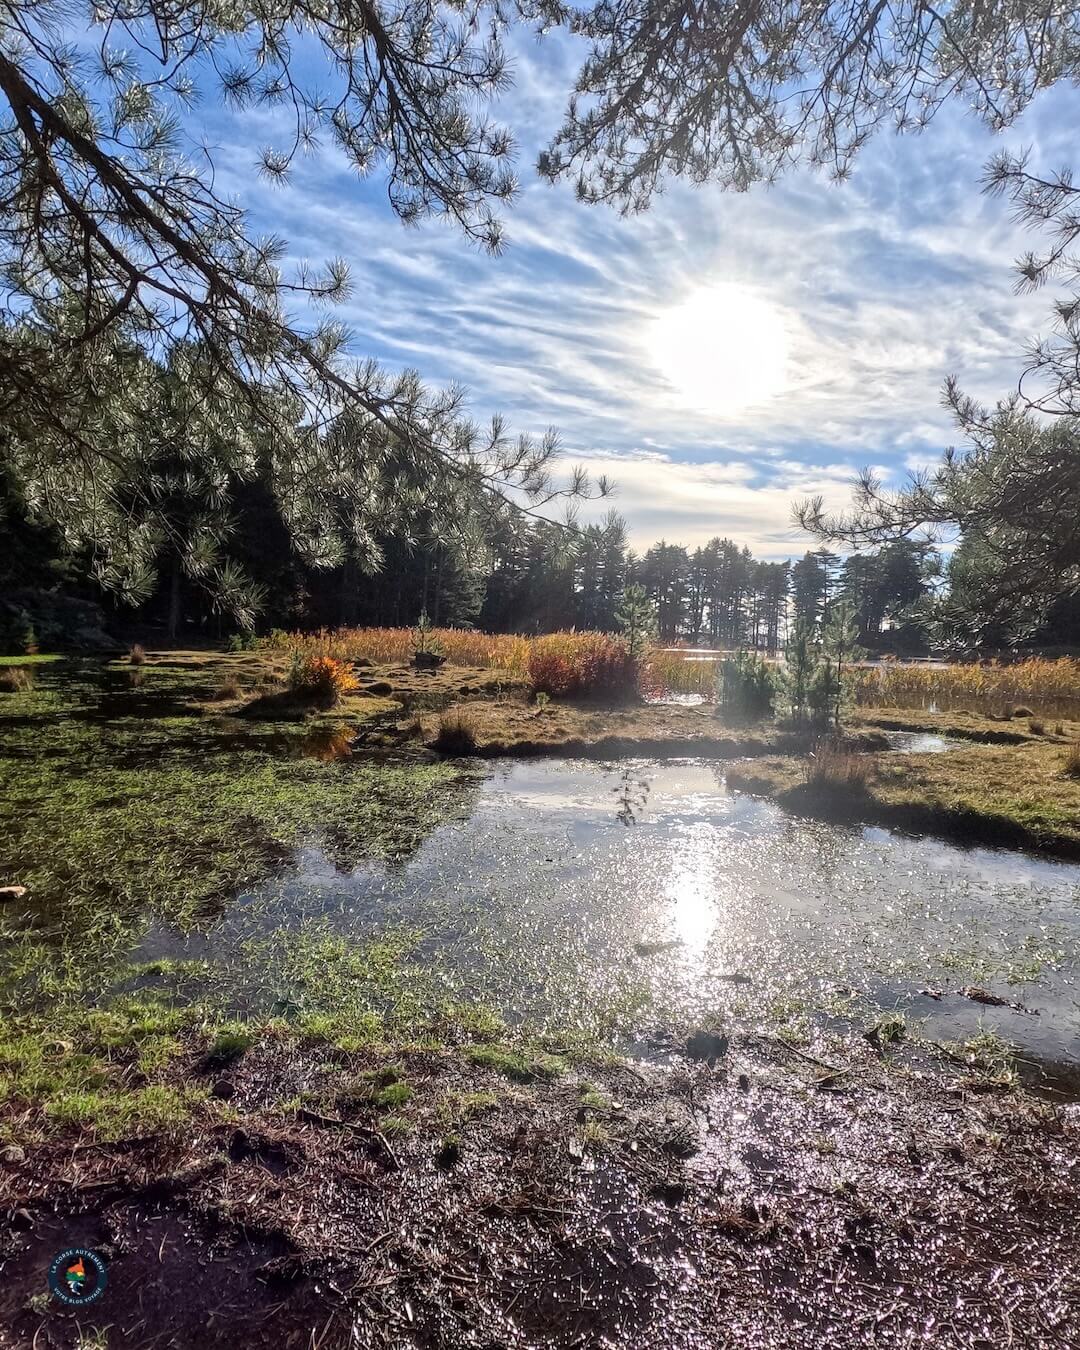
point(174, 600)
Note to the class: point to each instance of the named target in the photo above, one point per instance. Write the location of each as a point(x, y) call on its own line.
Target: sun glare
point(722, 349)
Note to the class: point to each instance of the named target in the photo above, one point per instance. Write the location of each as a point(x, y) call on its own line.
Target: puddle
point(629, 897)
point(918, 742)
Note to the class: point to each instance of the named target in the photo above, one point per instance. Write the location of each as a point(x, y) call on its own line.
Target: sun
point(723, 349)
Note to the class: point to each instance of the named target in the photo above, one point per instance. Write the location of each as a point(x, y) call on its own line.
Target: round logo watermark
point(77, 1276)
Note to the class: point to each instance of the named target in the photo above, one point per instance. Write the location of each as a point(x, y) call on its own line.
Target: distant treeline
point(521, 575)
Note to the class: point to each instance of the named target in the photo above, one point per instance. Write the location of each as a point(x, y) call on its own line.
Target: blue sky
point(854, 300)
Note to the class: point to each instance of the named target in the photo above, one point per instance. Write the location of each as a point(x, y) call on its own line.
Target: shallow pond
point(629, 900)
point(635, 897)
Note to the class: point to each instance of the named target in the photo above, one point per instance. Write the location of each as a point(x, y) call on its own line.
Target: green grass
point(513, 1064)
point(39, 659)
point(394, 1094)
point(229, 1045)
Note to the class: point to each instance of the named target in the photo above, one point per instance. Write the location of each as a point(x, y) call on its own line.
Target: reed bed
point(1036, 684)
point(391, 646)
point(672, 672)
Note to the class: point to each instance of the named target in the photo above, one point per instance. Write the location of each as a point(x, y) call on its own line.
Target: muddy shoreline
point(776, 1198)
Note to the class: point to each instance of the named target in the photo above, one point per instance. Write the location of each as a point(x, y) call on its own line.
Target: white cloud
point(885, 285)
point(691, 503)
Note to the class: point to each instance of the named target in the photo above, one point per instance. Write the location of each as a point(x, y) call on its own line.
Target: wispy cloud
point(885, 285)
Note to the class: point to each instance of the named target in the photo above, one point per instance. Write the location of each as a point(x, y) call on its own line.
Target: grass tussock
point(137, 654)
point(16, 680)
point(456, 734)
point(835, 769)
point(1072, 760)
point(322, 678)
point(228, 690)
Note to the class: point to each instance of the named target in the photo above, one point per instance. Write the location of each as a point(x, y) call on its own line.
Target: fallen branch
point(364, 1131)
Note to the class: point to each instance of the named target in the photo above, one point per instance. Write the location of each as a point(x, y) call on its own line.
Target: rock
point(223, 1089)
point(12, 1154)
point(11, 893)
point(22, 1221)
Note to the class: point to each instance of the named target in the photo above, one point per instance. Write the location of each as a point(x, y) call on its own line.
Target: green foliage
point(636, 617)
point(423, 641)
point(840, 647)
point(746, 687)
point(393, 1095)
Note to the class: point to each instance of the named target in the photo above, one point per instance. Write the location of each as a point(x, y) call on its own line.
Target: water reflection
point(631, 796)
point(545, 903)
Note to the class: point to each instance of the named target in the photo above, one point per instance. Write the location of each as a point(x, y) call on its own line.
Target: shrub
point(322, 678)
point(242, 642)
point(1072, 760)
point(456, 734)
point(746, 687)
point(137, 654)
point(16, 680)
point(835, 769)
point(565, 664)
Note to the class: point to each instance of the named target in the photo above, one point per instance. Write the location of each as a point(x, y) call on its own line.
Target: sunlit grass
point(1044, 686)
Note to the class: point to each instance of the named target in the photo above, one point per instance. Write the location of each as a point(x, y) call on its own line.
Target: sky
point(719, 355)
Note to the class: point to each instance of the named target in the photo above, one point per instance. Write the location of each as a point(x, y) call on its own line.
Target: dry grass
point(1072, 760)
point(1036, 685)
point(394, 646)
point(1008, 795)
point(838, 769)
point(456, 733)
point(137, 654)
point(16, 680)
point(228, 690)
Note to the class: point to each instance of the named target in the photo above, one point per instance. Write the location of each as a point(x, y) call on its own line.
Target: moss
point(513, 1064)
